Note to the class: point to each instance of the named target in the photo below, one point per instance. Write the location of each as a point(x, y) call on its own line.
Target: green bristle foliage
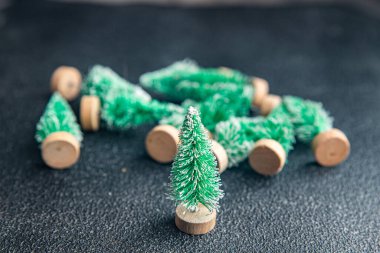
point(238, 135)
point(100, 80)
point(220, 107)
point(185, 80)
point(308, 117)
point(207, 82)
point(194, 176)
point(214, 109)
point(164, 80)
point(122, 111)
point(58, 116)
point(175, 120)
point(230, 135)
point(278, 129)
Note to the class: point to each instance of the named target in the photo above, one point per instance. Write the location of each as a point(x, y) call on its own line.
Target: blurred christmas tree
point(58, 117)
point(186, 80)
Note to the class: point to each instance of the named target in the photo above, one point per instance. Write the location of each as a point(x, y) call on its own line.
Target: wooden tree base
point(90, 113)
point(267, 157)
point(60, 150)
point(220, 155)
point(261, 90)
point(331, 147)
point(67, 81)
point(161, 143)
point(195, 223)
point(269, 103)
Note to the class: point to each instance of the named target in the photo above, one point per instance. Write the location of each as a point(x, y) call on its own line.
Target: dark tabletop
point(114, 199)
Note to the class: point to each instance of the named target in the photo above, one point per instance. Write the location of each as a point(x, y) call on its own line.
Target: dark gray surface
point(330, 54)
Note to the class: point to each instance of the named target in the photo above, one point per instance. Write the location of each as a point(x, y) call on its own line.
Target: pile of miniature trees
point(209, 131)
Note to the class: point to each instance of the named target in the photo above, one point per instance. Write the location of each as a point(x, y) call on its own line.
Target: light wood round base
point(67, 81)
point(60, 150)
point(269, 103)
point(331, 147)
point(161, 143)
point(261, 90)
point(267, 157)
point(220, 155)
point(90, 113)
point(195, 223)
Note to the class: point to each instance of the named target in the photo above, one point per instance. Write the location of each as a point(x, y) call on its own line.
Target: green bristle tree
point(213, 110)
point(122, 111)
point(194, 178)
point(100, 80)
point(308, 117)
point(186, 80)
point(239, 135)
point(58, 117)
point(313, 125)
point(230, 135)
point(123, 104)
point(279, 129)
point(164, 80)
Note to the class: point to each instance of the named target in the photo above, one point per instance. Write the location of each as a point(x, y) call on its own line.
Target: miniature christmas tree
point(100, 80)
point(195, 181)
point(230, 134)
point(59, 134)
point(185, 80)
point(213, 110)
point(164, 80)
point(312, 124)
point(122, 111)
point(271, 138)
point(275, 138)
point(122, 104)
point(308, 117)
point(162, 141)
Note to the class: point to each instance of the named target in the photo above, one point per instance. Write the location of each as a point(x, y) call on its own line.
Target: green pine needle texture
point(309, 118)
point(101, 80)
point(194, 176)
point(58, 116)
point(186, 80)
point(215, 109)
point(239, 135)
point(230, 134)
point(124, 105)
point(122, 111)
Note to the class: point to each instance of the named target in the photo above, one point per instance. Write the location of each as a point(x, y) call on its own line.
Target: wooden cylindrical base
point(269, 103)
point(90, 113)
point(161, 143)
point(67, 81)
point(220, 155)
point(261, 90)
point(60, 150)
point(267, 157)
point(195, 223)
point(331, 147)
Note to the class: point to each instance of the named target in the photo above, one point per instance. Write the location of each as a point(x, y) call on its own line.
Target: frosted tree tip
point(193, 111)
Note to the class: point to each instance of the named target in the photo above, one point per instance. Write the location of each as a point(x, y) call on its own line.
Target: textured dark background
point(114, 198)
